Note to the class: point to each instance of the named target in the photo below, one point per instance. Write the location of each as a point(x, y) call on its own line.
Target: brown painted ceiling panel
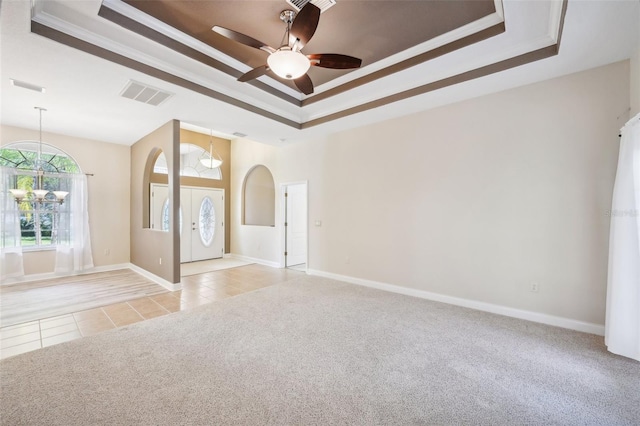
point(443, 70)
point(370, 30)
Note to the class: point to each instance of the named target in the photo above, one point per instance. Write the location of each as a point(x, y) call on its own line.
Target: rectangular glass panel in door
point(207, 235)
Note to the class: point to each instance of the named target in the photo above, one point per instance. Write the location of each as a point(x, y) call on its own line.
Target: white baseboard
point(254, 260)
point(571, 324)
point(153, 277)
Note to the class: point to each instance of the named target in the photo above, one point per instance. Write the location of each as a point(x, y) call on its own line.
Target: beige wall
point(108, 196)
point(475, 200)
point(635, 77)
point(156, 251)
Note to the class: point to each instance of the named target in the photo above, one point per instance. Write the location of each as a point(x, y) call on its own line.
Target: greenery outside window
point(39, 222)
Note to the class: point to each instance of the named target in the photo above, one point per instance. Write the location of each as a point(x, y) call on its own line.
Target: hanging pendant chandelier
point(213, 160)
point(38, 194)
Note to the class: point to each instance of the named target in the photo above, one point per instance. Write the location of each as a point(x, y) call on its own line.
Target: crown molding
point(430, 66)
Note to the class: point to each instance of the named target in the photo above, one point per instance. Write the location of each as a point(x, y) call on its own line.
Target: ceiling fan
point(288, 61)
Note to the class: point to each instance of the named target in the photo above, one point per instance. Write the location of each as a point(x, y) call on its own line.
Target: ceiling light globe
point(210, 163)
point(18, 194)
point(40, 193)
point(60, 195)
point(288, 64)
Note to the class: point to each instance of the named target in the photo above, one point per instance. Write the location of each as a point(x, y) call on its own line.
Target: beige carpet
point(314, 351)
point(194, 268)
point(37, 300)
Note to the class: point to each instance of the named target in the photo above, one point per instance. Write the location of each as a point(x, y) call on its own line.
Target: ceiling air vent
point(144, 93)
point(322, 4)
point(240, 135)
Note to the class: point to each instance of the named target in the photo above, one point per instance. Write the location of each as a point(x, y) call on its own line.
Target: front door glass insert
point(207, 219)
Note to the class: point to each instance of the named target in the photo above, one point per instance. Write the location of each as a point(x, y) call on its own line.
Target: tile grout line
point(136, 311)
point(161, 307)
point(40, 333)
point(108, 317)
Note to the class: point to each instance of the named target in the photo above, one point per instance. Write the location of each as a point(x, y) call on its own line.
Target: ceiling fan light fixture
point(287, 63)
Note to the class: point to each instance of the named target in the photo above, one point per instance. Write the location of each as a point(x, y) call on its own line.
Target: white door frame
point(283, 218)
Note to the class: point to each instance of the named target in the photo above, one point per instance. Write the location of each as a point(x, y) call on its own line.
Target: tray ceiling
point(370, 31)
point(416, 55)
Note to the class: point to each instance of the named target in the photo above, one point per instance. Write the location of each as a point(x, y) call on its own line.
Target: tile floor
point(196, 290)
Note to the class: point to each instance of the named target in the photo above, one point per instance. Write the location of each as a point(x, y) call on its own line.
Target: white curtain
point(11, 263)
point(73, 241)
point(622, 328)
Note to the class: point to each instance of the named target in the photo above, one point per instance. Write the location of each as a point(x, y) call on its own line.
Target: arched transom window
point(190, 164)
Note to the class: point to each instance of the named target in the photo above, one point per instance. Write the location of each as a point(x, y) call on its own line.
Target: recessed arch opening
point(259, 197)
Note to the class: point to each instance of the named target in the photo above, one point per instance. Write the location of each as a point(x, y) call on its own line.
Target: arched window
point(190, 164)
point(42, 224)
point(259, 198)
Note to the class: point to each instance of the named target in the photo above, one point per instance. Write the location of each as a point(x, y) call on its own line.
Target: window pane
point(24, 155)
point(27, 228)
point(46, 226)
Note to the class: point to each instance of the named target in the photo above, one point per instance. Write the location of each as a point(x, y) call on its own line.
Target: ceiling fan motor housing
point(287, 16)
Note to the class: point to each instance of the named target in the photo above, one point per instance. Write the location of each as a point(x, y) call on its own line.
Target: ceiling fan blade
point(305, 24)
point(305, 84)
point(254, 73)
point(334, 60)
point(242, 38)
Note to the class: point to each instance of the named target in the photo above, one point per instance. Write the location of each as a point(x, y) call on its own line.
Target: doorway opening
point(294, 202)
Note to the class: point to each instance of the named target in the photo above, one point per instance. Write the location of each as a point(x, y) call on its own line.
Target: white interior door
point(296, 220)
point(207, 229)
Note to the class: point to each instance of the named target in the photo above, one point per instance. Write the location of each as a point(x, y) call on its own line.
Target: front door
point(207, 224)
point(201, 220)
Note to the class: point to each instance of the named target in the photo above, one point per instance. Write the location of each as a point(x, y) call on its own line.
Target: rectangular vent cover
point(144, 93)
point(322, 4)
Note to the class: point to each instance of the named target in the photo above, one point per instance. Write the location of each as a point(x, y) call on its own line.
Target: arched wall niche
point(259, 197)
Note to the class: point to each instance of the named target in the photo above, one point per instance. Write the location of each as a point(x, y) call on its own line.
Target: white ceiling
point(82, 90)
